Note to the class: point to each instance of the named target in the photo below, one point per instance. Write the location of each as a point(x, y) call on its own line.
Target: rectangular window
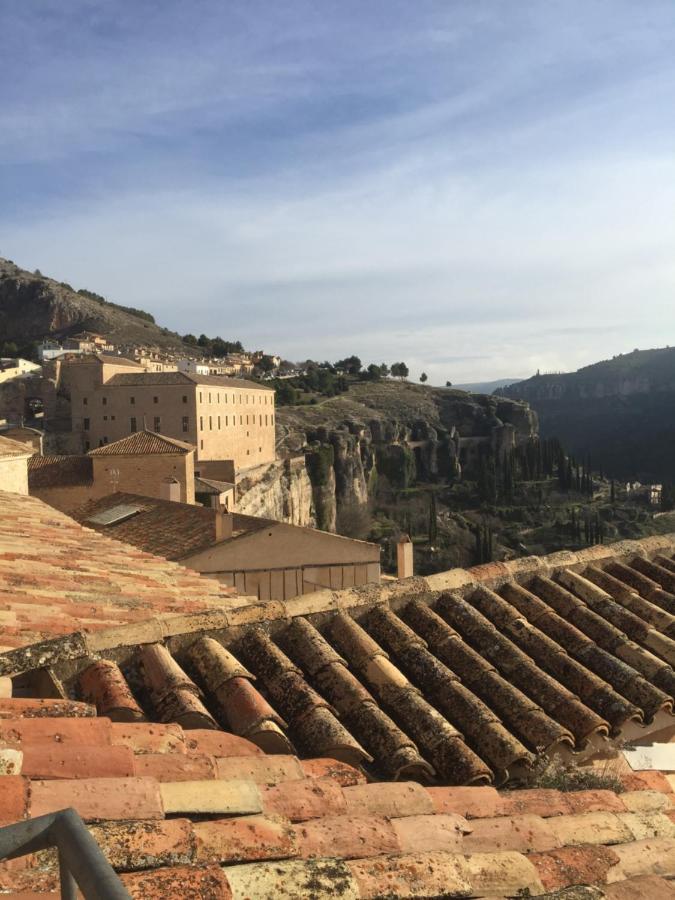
point(87, 445)
point(217, 398)
point(132, 424)
point(112, 418)
point(210, 423)
point(201, 445)
point(265, 418)
point(218, 423)
point(132, 400)
point(158, 423)
point(200, 396)
point(184, 398)
point(241, 420)
point(186, 423)
point(201, 423)
point(209, 396)
point(247, 420)
point(105, 418)
point(226, 422)
point(84, 401)
point(85, 424)
point(104, 401)
point(155, 399)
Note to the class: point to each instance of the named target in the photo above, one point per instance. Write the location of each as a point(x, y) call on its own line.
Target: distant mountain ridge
point(486, 387)
point(620, 410)
point(34, 307)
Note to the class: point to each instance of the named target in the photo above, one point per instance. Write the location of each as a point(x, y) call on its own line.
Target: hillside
point(486, 387)
point(33, 307)
point(621, 411)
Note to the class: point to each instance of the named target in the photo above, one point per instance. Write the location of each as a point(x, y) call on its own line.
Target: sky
point(479, 188)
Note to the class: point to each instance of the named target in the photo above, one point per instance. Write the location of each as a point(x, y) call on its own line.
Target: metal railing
point(81, 863)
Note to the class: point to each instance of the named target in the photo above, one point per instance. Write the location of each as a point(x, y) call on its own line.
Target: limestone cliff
point(281, 490)
point(401, 432)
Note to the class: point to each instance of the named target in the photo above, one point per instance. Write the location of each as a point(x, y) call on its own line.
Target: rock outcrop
point(281, 490)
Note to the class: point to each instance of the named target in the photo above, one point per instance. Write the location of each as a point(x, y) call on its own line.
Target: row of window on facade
point(132, 400)
point(185, 422)
point(269, 420)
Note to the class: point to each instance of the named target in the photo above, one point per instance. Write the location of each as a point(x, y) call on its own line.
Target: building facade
point(223, 418)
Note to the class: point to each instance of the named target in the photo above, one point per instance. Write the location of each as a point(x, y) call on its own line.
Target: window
point(186, 423)
point(84, 401)
point(184, 398)
point(158, 423)
point(218, 398)
point(259, 449)
point(105, 418)
point(201, 445)
point(87, 445)
point(210, 423)
point(241, 420)
point(104, 401)
point(272, 417)
point(247, 420)
point(132, 400)
point(132, 424)
point(200, 396)
point(155, 399)
point(218, 423)
point(248, 452)
point(209, 396)
point(112, 418)
point(201, 423)
point(85, 424)
point(226, 422)
point(265, 418)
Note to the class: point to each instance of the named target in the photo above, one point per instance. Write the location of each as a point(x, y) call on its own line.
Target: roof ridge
point(138, 438)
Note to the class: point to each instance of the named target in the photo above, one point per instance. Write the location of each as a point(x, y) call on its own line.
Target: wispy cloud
point(472, 187)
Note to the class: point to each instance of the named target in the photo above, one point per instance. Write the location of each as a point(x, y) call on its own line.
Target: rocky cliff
point(281, 491)
point(620, 411)
point(398, 431)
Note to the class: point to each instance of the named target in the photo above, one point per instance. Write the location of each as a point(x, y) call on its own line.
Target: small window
point(201, 445)
point(112, 418)
point(241, 420)
point(200, 396)
point(186, 424)
point(84, 401)
point(105, 440)
point(155, 399)
point(218, 398)
point(201, 423)
point(105, 418)
point(184, 398)
point(158, 423)
point(218, 423)
point(104, 401)
point(132, 400)
point(87, 445)
point(259, 449)
point(132, 424)
point(209, 396)
point(210, 423)
point(248, 452)
point(85, 424)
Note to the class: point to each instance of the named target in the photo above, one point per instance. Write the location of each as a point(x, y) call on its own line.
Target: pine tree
point(433, 518)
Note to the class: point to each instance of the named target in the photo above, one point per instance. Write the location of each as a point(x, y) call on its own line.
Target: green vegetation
point(130, 310)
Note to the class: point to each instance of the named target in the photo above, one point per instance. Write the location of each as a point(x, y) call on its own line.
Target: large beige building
point(224, 418)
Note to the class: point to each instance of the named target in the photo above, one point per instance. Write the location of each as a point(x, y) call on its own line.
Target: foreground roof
point(386, 709)
point(57, 577)
point(143, 443)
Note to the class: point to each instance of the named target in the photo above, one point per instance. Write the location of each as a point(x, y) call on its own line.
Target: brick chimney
point(223, 521)
point(404, 557)
point(169, 489)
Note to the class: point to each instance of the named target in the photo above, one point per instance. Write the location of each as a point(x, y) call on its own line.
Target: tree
point(399, 370)
point(203, 341)
point(190, 339)
point(423, 377)
point(373, 372)
point(265, 365)
point(433, 519)
point(448, 384)
point(351, 365)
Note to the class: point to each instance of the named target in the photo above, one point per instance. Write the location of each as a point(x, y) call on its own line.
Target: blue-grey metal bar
point(80, 858)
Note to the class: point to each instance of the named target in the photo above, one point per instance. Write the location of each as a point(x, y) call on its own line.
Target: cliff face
point(620, 411)
point(400, 432)
point(281, 490)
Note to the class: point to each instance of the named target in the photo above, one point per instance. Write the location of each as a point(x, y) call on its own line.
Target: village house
point(24, 434)
point(14, 367)
point(359, 743)
point(112, 397)
point(257, 556)
point(145, 463)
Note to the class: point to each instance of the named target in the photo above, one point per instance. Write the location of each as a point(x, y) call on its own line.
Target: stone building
point(259, 557)
point(224, 418)
point(143, 463)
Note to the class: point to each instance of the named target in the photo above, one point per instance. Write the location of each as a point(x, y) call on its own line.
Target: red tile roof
point(57, 577)
point(143, 443)
point(59, 471)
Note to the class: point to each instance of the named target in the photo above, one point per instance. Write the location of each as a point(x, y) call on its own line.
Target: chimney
point(169, 489)
point(223, 523)
point(404, 557)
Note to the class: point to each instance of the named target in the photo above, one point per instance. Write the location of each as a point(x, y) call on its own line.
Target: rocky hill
point(33, 307)
point(399, 432)
point(620, 411)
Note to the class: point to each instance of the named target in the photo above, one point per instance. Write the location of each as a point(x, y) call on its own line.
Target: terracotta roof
point(57, 577)
point(9, 447)
point(160, 730)
point(204, 814)
point(169, 529)
point(59, 471)
point(183, 378)
point(143, 443)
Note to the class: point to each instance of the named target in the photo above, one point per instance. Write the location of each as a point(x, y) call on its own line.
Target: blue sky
point(481, 188)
